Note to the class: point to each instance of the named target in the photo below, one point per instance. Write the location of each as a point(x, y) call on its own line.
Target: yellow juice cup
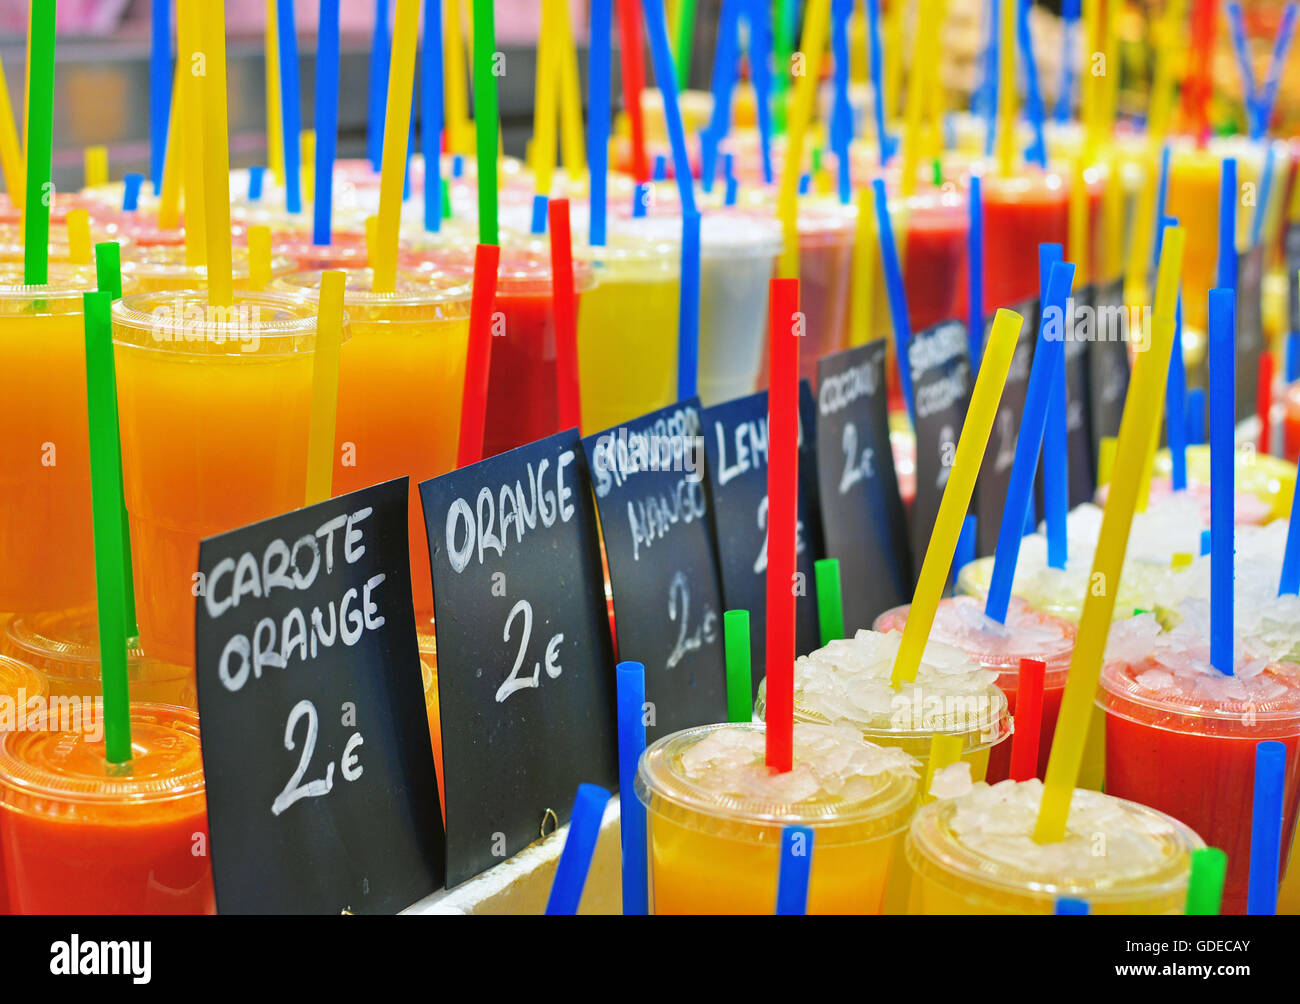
point(46, 550)
point(975, 854)
point(161, 267)
point(715, 815)
point(214, 410)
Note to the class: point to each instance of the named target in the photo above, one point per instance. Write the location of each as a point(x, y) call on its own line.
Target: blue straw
point(1223, 406)
point(540, 203)
point(1261, 203)
point(1070, 30)
point(728, 166)
point(160, 89)
point(796, 867)
point(688, 308)
point(1056, 442)
point(598, 125)
point(1290, 581)
point(883, 138)
point(458, 165)
point(660, 170)
point(1266, 828)
point(1237, 31)
point(431, 113)
point(579, 845)
point(640, 199)
point(630, 684)
point(805, 183)
point(666, 77)
point(1292, 356)
point(975, 287)
point(992, 57)
point(1206, 543)
point(131, 192)
point(1037, 152)
point(327, 121)
point(1049, 358)
point(897, 295)
point(256, 173)
point(1176, 404)
point(1162, 200)
point(965, 552)
point(287, 34)
point(1195, 411)
point(733, 190)
point(725, 55)
point(380, 46)
point(1227, 268)
point(841, 125)
point(759, 15)
point(1069, 907)
point(1267, 97)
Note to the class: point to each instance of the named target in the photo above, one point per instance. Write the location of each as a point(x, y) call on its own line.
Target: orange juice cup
point(83, 836)
point(161, 267)
point(214, 413)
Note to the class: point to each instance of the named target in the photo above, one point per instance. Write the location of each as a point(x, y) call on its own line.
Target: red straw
point(1029, 720)
point(566, 326)
point(473, 414)
point(1196, 88)
point(782, 512)
point(633, 70)
point(1264, 401)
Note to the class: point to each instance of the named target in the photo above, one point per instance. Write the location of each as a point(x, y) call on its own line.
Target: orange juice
point(157, 267)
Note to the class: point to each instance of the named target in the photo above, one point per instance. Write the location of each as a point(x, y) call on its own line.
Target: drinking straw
point(1067, 906)
point(380, 47)
point(1237, 32)
point(324, 387)
point(841, 125)
point(372, 239)
point(487, 258)
point(732, 192)
point(898, 310)
point(1161, 105)
point(1289, 582)
point(957, 495)
point(1267, 95)
point(131, 184)
point(991, 73)
point(397, 125)
point(545, 97)
point(630, 689)
point(1292, 363)
point(945, 750)
point(216, 156)
point(486, 121)
point(1037, 152)
point(1181, 559)
point(1056, 442)
point(735, 645)
point(566, 325)
point(579, 845)
point(572, 143)
point(1196, 409)
point(598, 75)
point(816, 19)
point(96, 166)
point(726, 54)
point(1205, 883)
point(537, 225)
point(160, 80)
point(78, 223)
point(1223, 407)
point(1141, 411)
point(287, 36)
point(683, 40)
point(782, 515)
point(169, 200)
point(259, 257)
point(327, 121)
point(783, 45)
point(795, 870)
point(665, 77)
point(40, 144)
point(1029, 720)
point(965, 552)
point(1264, 401)
point(274, 107)
point(1226, 271)
point(1105, 460)
point(660, 171)
point(893, 57)
point(632, 70)
point(107, 507)
point(1196, 89)
point(863, 296)
point(431, 114)
point(641, 196)
point(1176, 405)
point(883, 140)
point(11, 154)
point(189, 31)
point(924, 57)
point(1109, 83)
point(1205, 542)
point(1069, 34)
point(1049, 359)
point(760, 71)
point(457, 101)
point(1258, 217)
point(830, 602)
point(1007, 89)
point(1266, 827)
point(975, 272)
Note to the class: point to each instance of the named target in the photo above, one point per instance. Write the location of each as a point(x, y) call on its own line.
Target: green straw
point(684, 33)
point(106, 507)
point(735, 636)
point(108, 272)
point(40, 143)
point(446, 201)
point(1205, 886)
point(782, 43)
point(485, 119)
point(830, 600)
point(937, 168)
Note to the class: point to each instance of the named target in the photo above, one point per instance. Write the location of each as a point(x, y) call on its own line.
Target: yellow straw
point(1089, 88)
point(372, 238)
point(1105, 460)
point(1113, 211)
point(191, 128)
point(1139, 251)
point(397, 126)
point(863, 300)
point(1079, 251)
point(274, 107)
point(816, 19)
point(945, 750)
point(1092, 773)
point(1164, 306)
point(957, 495)
point(169, 200)
point(96, 166)
point(307, 158)
point(935, 92)
point(923, 58)
point(546, 93)
point(572, 143)
point(1167, 48)
point(1141, 412)
point(1109, 84)
point(325, 388)
point(259, 257)
point(79, 252)
point(460, 137)
point(893, 57)
point(1007, 99)
point(11, 153)
point(216, 157)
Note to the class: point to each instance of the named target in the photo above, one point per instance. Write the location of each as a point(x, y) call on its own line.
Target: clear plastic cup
point(214, 410)
point(46, 546)
point(345, 251)
point(1020, 213)
point(1260, 478)
point(161, 267)
point(848, 681)
point(976, 854)
point(826, 234)
point(1028, 634)
point(21, 691)
point(715, 814)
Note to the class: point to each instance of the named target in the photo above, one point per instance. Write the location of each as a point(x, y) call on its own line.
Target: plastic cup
point(161, 267)
point(83, 837)
point(214, 411)
point(826, 234)
point(21, 687)
point(1020, 213)
point(401, 380)
point(46, 546)
point(975, 854)
point(1182, 741)
point(715, 814)
point(1028, 634)
point(1265, 483)
point(345, 251)
point(848, 681)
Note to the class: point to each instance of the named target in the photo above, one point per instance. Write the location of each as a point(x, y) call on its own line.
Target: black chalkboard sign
point(735, 450)
point(995, 468)
point(648, 476)
point(1292, 250)
point(1108, 362)
point(1078, 403)
point(941, 385)
point(1250, 329)
point(321, 790)
point(525, 664)
point(862, 514)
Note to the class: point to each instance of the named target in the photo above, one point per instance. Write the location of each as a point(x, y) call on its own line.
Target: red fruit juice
point(1020, 213)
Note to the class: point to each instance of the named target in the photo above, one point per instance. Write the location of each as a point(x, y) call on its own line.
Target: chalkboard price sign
point(321, 790)
point(995, 470)
point(1250, 329)
point(1078, 403)
point(1108, 363)
point(525, 663)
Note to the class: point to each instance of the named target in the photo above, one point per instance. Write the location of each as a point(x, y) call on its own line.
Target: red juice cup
point(19, 686)
point(1027, 634)
point(345, 251)
point(1020, 213)
point(1181, 739)
point(82, 836)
